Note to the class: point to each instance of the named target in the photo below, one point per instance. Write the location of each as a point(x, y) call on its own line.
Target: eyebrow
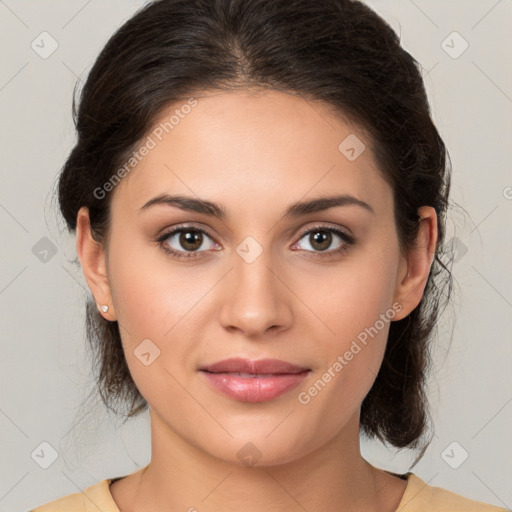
point(297, 209)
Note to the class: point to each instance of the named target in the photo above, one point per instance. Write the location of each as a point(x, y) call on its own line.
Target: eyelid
point(167, 232)
point(325, 227)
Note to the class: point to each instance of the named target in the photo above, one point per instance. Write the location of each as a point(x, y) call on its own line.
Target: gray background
point(45, 374)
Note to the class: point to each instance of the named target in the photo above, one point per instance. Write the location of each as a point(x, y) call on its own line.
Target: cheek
point(160, 301)
point(350, 298)
point(154, 304)
point(355, 306)
point(351, 359)
point(150, 293)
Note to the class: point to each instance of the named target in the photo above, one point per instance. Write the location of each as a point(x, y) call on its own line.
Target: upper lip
point(259, 367)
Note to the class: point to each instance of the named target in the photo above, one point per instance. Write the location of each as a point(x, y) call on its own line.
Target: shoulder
point(419, 497)
point(95, 497)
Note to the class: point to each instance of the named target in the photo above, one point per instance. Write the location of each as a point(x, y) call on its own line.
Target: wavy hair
point(337, 51)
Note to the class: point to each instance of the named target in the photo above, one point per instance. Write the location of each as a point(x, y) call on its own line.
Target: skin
point(255, 153)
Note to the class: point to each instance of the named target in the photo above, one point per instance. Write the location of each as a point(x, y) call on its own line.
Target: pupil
point(323, 239)
point(191, 240)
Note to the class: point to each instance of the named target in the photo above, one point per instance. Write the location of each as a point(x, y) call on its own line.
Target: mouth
point(254, 381)
point(259, 367)
point(251, 375)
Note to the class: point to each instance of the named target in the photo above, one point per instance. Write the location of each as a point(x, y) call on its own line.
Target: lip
point(271, 379)
point(260, 367)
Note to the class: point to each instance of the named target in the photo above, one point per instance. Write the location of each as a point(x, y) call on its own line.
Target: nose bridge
point(256, 300)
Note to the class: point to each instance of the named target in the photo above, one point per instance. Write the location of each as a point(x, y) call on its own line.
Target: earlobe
point(416, 266)
point(93, 261)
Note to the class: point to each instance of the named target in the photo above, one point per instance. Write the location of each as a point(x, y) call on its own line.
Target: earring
point(104, 308)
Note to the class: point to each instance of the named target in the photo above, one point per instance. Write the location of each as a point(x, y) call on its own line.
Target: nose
point(256, 298)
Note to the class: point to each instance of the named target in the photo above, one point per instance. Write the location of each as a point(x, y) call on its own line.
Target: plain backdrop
point(45, 373)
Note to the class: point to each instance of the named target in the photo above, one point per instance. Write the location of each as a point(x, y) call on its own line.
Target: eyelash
point(348, 240)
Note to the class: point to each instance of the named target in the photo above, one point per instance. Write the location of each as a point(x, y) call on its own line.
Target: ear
point(415, 267)
point(93, 260)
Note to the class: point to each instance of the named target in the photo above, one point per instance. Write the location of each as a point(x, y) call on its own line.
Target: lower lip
point(254, 389)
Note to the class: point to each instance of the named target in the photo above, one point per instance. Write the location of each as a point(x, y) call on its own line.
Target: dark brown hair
point(337, 51)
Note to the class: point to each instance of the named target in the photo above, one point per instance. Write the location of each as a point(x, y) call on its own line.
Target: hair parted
point(339, 52)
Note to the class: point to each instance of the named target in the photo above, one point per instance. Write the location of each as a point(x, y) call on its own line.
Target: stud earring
point(104, 308)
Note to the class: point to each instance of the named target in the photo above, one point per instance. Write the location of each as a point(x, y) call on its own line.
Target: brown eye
point(185, 242)
point(320, 240)
point(191, 240)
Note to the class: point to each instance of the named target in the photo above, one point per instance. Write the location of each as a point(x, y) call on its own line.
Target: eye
point(185, 241)
point(320, 238)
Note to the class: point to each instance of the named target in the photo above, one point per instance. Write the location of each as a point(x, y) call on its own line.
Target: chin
point(260, 450)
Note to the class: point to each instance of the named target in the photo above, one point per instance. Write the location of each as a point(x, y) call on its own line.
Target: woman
point(258, 194)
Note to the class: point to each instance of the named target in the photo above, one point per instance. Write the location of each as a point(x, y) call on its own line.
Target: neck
point(332, 477)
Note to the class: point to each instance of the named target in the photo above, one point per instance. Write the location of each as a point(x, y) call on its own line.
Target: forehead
point(256, 147)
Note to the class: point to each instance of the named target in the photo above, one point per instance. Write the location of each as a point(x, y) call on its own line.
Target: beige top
point(418, 497)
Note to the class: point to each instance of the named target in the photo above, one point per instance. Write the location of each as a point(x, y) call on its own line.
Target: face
point(316, 288)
